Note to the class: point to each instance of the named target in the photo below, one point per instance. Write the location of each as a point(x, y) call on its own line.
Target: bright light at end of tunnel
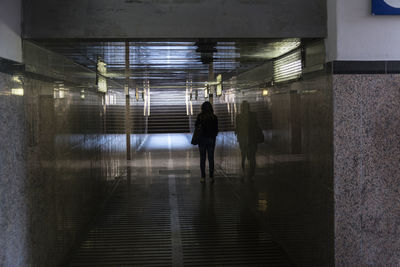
point(167, 142)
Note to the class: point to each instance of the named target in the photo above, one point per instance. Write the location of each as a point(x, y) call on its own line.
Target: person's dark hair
point(206, 107)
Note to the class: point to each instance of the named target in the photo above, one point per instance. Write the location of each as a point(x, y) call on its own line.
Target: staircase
point(168, 112)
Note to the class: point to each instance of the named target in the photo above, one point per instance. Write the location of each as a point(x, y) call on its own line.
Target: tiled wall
point(367, 169)
point(294, 174)
point(57, 163)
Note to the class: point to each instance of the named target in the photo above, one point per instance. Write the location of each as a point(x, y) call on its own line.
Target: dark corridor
point(112, 202)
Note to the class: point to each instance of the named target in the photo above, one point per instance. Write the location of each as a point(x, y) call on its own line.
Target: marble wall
point(302, 165)
point(71, 165)
point(367, 173)
point(294, 173)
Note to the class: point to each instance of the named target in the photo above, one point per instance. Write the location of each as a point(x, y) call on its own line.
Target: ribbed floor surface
point(173, 220)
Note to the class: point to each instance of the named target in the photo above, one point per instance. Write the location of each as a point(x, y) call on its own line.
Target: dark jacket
point(209, 125)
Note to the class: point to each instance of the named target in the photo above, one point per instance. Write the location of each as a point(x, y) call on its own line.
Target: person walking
point(207, 123)
point(248, 135)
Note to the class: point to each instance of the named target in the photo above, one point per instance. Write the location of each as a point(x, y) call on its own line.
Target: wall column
point(127, 103)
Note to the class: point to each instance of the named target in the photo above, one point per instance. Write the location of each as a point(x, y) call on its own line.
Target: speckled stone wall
point(367, 169)
point(13, 210)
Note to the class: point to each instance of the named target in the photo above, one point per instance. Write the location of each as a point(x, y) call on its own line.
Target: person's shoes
point(202, 180)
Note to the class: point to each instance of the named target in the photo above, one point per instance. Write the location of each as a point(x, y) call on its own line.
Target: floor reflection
point(164, 216)
point(166, 142)
point(263, 221)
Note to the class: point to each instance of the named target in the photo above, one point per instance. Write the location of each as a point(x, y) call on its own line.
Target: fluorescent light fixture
point(17, 91)
point(102, 84)
point(212, 83)
point(219, 89)
point(187, 97)
point(61, 94)
point(148, 99)
point(16, 79)
point(288, 67)
point(59, 90)
point(219, 78)
point(206, 91)
point(101, 67)
point(101, 80)
point(144, 95)
point(219, 84)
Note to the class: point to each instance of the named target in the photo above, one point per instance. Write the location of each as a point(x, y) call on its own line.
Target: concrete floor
point(163, 216)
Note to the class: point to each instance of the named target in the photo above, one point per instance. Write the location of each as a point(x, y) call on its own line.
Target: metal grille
point(288, 67)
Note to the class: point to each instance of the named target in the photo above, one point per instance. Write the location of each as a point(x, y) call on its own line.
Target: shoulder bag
point(196, 135)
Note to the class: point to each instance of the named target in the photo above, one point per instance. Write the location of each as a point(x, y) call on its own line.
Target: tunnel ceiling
point(170, 63)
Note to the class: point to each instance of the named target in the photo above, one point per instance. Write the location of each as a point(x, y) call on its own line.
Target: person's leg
point(243, 152)
point(202, 150)
point(210, 151)
point(252, 160)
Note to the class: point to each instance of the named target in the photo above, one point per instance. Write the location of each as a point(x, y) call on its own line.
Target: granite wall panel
point(13, 171)
point(367, 173)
